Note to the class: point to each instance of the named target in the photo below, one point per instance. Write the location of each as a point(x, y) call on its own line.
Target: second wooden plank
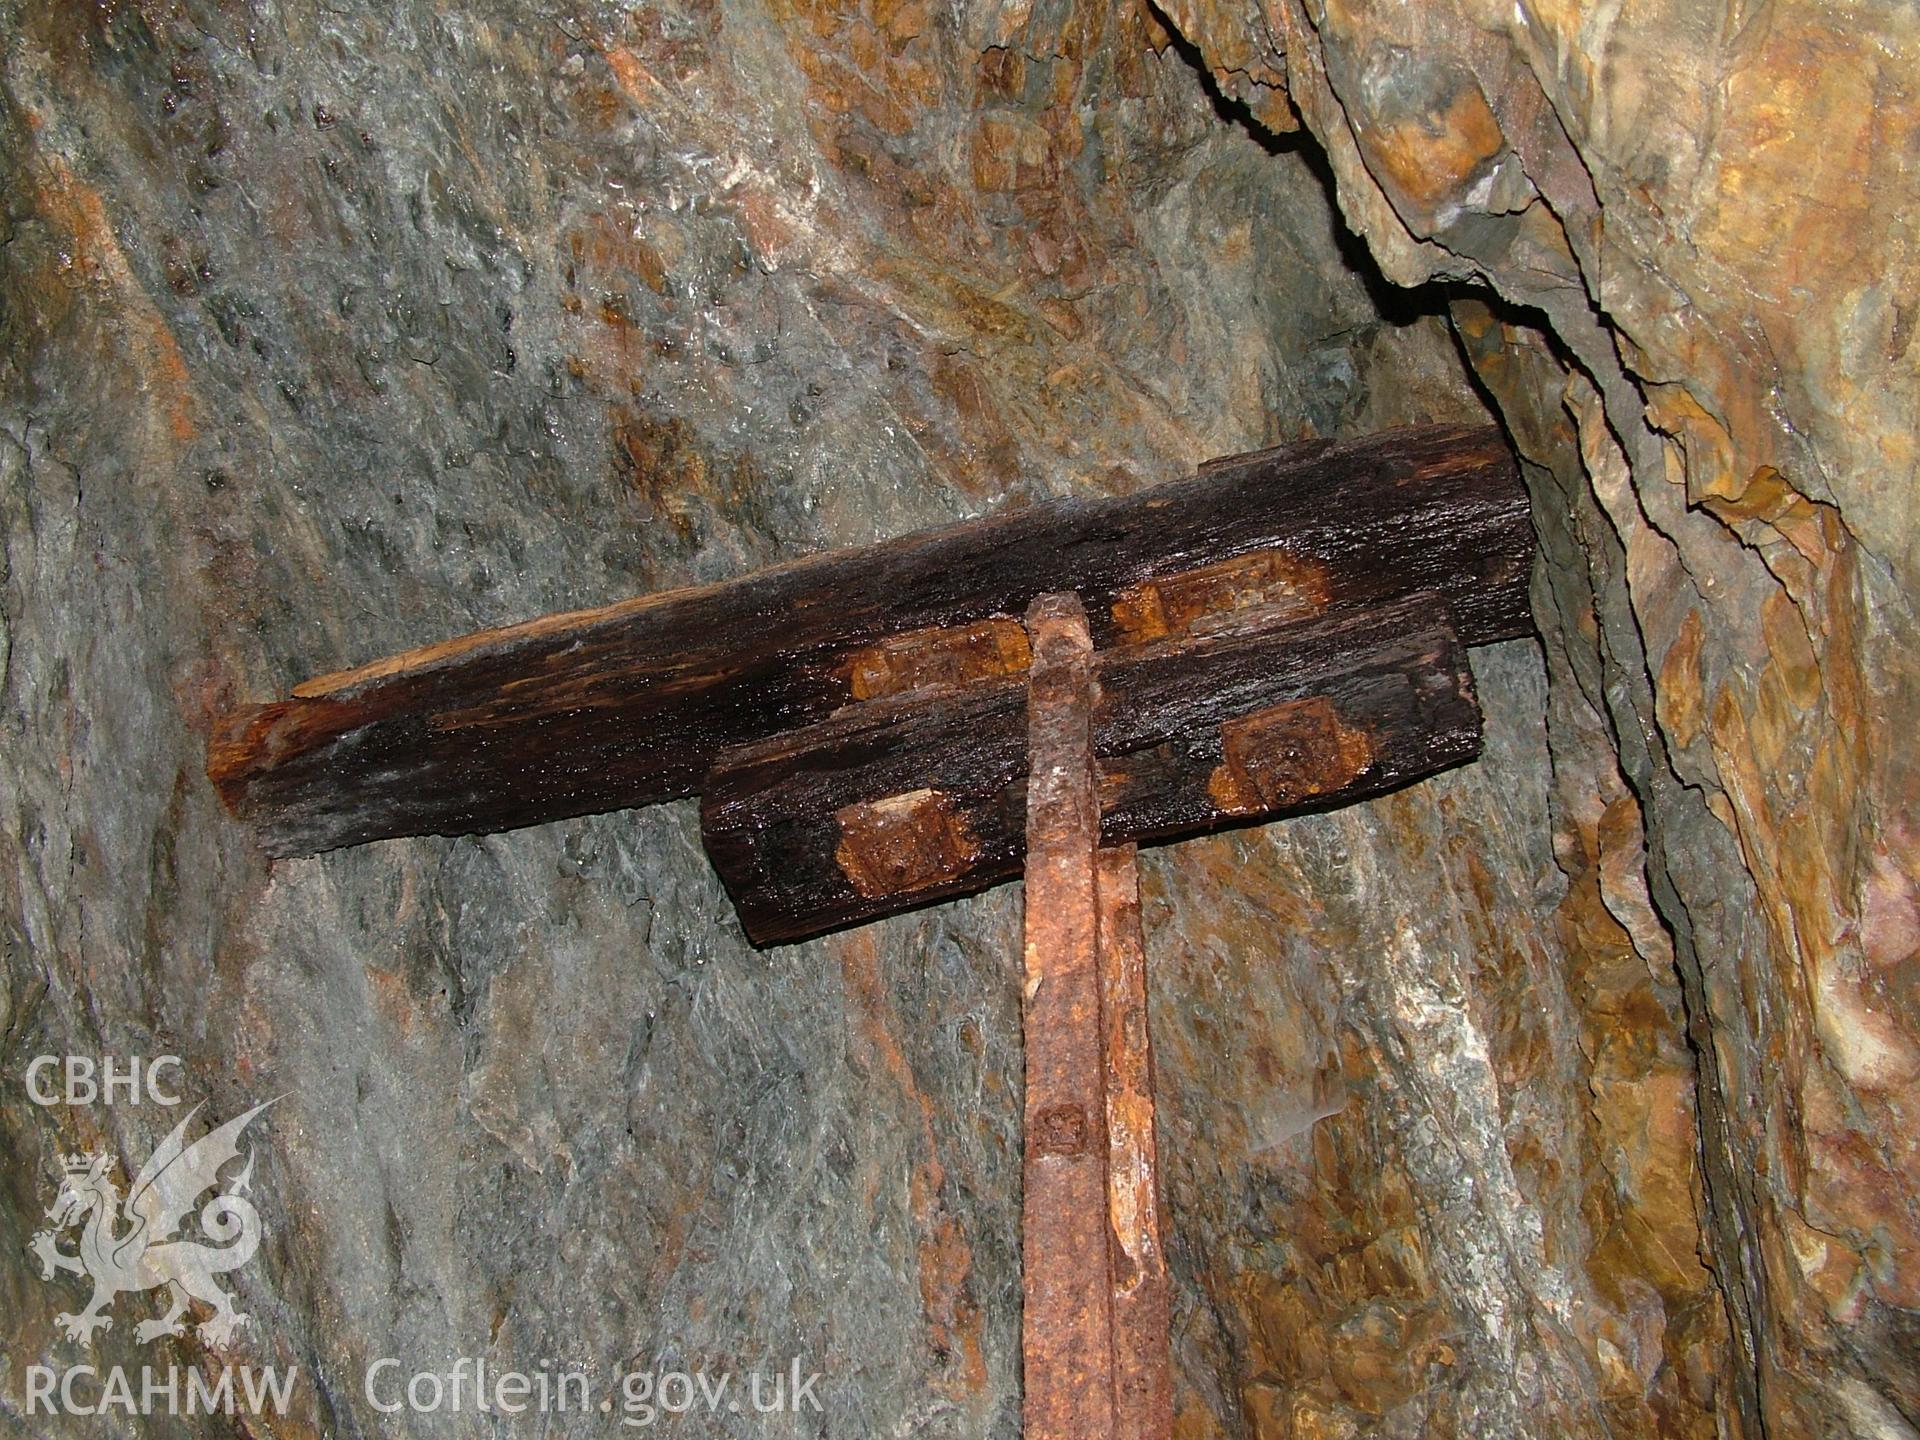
point(897, 803)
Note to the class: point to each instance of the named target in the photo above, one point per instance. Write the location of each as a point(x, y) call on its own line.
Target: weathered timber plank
point(1066, 1320)
point(629, 705)
point(910, 799)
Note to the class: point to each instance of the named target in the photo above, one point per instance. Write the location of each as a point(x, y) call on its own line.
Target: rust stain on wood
point(941, 656)
point(1287, 755)
point(1186, 602)
point(904, 843)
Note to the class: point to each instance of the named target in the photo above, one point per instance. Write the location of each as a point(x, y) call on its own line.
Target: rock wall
point(1693, 227)
point(1558, 1096)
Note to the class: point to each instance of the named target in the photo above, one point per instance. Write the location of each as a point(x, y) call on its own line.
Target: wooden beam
point(916, 798)
point(631, 704)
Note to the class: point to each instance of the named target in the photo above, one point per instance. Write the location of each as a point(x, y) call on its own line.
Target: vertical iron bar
point(1142, 1374)
point(1066, 1338)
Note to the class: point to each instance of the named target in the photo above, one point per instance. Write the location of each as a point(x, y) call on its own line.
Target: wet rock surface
point(1690, 227)
point(328, 332)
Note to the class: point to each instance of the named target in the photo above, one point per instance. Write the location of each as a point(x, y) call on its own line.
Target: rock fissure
point(689, 288)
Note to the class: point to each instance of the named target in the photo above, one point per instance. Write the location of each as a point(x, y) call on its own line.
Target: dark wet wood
point(632, 704)
point(920, 797)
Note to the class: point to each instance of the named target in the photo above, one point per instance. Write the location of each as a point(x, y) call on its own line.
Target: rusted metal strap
point(1066, 1337)
point(1142, 1375)
point(1095, 1328)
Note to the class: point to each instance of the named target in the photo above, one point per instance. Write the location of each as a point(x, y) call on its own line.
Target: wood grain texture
point(1267, 716)
point(630, 705)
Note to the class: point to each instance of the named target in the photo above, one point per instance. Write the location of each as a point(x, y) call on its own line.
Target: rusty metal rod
point(1066, 1336)
point(1142, 1375)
